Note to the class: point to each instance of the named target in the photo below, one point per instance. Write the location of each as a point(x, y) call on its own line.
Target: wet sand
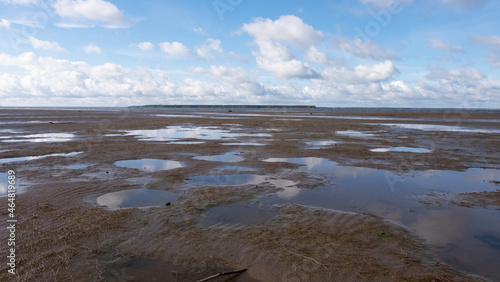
point(64, 235)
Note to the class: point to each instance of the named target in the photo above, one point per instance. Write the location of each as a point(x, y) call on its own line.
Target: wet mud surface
point(314, 203)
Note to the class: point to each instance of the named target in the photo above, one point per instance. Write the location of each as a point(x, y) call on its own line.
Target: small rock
point(167, 204)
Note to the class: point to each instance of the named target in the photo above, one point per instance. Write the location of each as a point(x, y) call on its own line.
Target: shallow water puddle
point(44, 137)
point(243, 179)
point(320, 144)
point(136, 198)
point(186, 142)
point(4, 184)
point(244, 144)
point(174, 133)
point(401, 149)
point(238, 168)
point(354, 133)
point(10, 131)
point(461, 235)
point(19, 159)
point(436, 127)
point(234, 215)
point(150, 165)
point(227, 180)
point(231, 157)
point(76, 166)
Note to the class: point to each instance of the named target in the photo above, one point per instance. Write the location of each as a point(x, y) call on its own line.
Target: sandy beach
point(289, 196)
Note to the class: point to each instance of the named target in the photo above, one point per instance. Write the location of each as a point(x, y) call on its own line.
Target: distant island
point(228, 106)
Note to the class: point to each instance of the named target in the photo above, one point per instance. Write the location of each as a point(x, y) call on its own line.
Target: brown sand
point(64, 236)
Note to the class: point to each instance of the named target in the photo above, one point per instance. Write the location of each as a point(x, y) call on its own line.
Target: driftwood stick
point(222, 274)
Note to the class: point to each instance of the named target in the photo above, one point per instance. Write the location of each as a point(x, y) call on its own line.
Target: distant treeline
point(228, 106)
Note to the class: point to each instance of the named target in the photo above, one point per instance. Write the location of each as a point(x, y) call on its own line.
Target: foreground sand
point(64, 236)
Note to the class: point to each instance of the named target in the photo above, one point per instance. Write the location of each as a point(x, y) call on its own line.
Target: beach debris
point(222, 274)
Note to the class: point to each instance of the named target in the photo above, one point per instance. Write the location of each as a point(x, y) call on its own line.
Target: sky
point(345, 53)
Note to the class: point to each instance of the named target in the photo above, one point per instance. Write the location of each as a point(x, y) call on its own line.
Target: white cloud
point(362, 49)
point(316, 56)
point(175, 48)
point(45, 45)
point(438, 44)
point(376, 73)
point(74, 25)
point(460, 77)
point(233, 79)
point(288, 69)
point(198, 30)
point(211, 45)
point(92, 49)
point(290, 29)
point(4, 23)
point(109, 72)
point(384, 4)
point(93, 10)
point(146, 46)
point(360, 74)
point(48, 81)
point(273, 56)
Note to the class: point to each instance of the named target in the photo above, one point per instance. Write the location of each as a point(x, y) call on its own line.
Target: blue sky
point(385, 53)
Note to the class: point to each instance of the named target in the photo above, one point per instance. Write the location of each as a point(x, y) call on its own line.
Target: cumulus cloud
point(288, 69)
point(212, 45)
point(384, 4)
point(235, 79)
point(92, 49)
point(50, 81)
point(45, 45)
point(109, 72)
point(360, 74)
point(273, 56)
point(438, 44)
point(92, 10)
point(362, 49)
point(146, 46)
point(53, 79)
point(290, 29)
point(377, 72)
point(316, 56)
point(175, 48)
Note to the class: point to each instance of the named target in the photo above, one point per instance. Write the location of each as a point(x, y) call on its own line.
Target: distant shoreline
point(229, 106)
point(309, 108)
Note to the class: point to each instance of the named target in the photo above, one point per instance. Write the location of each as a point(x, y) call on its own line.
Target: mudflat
point(289, 196)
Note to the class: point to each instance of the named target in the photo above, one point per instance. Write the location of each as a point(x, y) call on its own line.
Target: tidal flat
point(288, 195)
